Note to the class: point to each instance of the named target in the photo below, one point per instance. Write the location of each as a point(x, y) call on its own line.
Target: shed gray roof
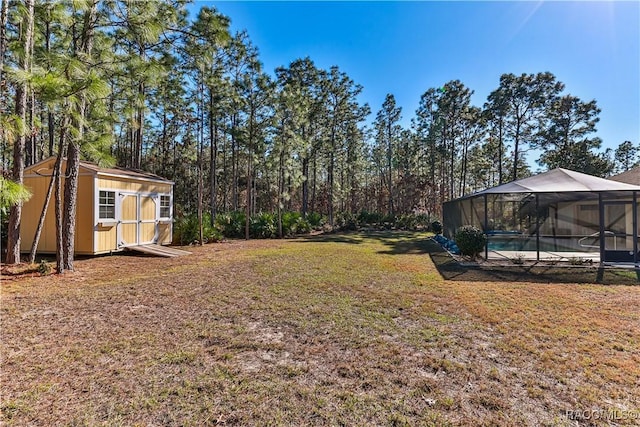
point(558, 181)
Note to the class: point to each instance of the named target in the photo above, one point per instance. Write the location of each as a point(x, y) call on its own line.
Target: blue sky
point(405, 47)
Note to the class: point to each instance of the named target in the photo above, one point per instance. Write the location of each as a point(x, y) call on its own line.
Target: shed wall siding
point(106, 238)
point(164, 233)
point(32, 209)
point(31, 214)
point(84, 216)
point(133, 186)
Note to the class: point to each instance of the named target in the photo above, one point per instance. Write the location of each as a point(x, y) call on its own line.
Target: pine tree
point(22, 90)
point(564, 137)
point(626, 156)
point(388, 133)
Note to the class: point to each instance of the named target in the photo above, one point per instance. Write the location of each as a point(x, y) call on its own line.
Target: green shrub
point(388, 221)
point(315, 220)
point(231, 224)
point(263, 226)
point(186, 230)
point(44, 268)
point(302, 226)
point(346, 221)
point(423, 220)
point(289, 222)
point(369, 218)
point(471, 240)
point(407, 222)
point(4, 227)
point(436, 227)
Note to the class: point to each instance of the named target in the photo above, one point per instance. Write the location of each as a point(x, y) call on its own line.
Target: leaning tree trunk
point(43, 215)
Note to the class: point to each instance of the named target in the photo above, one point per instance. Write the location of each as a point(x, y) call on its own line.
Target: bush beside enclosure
point(471, 240)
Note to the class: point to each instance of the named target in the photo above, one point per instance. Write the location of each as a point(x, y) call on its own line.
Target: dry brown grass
point(329, 330)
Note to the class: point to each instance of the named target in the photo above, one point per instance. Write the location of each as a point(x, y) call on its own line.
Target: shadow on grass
point(352, 238)
point(450, 269)
point(396, 242)
point(417, 243)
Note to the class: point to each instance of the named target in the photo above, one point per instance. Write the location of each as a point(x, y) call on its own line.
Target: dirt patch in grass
point(354, 329)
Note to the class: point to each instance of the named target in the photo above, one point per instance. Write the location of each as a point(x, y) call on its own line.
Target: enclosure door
point(618, 232)
point(129, 220)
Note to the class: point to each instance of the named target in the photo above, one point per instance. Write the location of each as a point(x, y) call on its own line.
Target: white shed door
point(129, 220)
point(137, 223)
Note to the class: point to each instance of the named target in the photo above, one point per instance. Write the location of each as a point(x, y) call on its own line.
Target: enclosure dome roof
point(559, 181)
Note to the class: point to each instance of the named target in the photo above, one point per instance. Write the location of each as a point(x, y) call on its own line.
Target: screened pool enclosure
point(559, 214)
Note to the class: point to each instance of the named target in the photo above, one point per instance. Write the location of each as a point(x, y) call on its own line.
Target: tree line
point(142, 85)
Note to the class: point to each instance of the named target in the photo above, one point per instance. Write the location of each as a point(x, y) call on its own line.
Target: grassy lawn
point(335, 330)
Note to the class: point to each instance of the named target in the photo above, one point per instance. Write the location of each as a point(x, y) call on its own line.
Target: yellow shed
point(117, 208)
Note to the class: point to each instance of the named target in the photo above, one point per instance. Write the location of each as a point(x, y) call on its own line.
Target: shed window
point(165, 206)
point(107, 205)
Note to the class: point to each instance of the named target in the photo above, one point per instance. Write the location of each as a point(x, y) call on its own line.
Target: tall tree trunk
point(200, 195)
point(280, 184)
point(500, 148)
point(389, 166)
point(4, 14)
point(314, 188)
point(330, 178)
point(57, 177)
point(30, 140)
point(163, 144)
point(225, 181)
point(50, 120)
point(516, 147)
point(70, 203)
point(15, 213)
point(234, 166)
point(73, 152)
point(4, 9)
point(305, 186)
point(213, 144)
point(247, 223)
point(200, 113)
point(139, 129)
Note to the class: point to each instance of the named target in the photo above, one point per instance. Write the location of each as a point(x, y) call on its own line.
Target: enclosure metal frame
point(452, 213)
